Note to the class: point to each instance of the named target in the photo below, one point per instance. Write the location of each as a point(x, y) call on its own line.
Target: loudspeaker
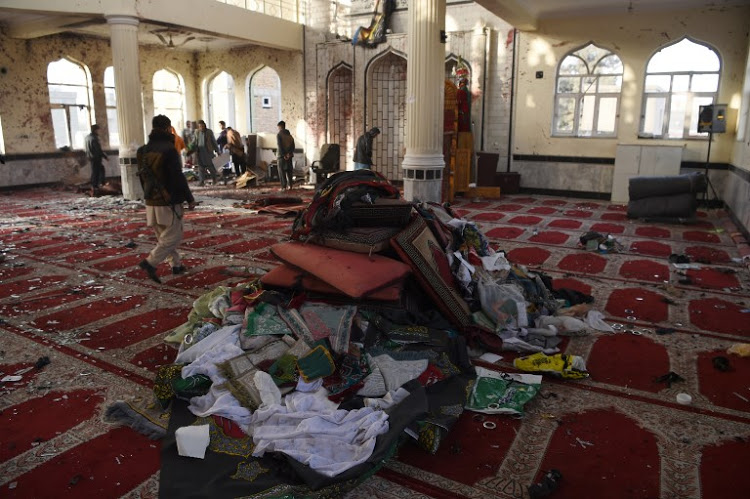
point(712, 118)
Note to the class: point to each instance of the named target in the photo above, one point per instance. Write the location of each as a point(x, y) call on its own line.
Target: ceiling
point(526, 14)
point(523, 14)
point(27, 25)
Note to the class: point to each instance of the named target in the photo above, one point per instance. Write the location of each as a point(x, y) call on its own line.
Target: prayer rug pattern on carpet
point(71, 292)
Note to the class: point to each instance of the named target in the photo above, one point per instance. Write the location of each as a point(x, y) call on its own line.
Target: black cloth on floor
point(185, 477)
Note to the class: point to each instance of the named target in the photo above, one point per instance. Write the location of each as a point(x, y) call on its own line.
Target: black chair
point(329, 162)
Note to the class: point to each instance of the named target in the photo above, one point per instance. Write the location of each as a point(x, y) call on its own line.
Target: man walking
point(206, 146)
point(95, 154)
point(165, 190)
point(363, 151)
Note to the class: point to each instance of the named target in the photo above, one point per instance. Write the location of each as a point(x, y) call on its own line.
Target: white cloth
point(390, 399)
point(398, 372)
point(228, 334)
point(495, 261)
point(563, 323)
point(217, 401)
point(595, 320)
point(309, 428)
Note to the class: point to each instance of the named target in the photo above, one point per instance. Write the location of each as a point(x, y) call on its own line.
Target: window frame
point(177, 121)
point(580, 96)
point(215, 115)
point(693, 99)
point(114, 131)
point(68, 109)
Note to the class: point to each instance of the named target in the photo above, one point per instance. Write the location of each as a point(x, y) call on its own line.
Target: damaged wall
point(473, 33)
point(241, 63)
point(634, 39)
point(32, 156)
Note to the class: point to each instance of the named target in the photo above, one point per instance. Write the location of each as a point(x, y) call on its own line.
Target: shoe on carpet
point(150, 270)
point(180, 269)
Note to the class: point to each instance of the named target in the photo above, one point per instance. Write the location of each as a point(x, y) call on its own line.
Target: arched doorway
point(265, 100)
point(221, 100)
point(387, 111)
point(340, 111)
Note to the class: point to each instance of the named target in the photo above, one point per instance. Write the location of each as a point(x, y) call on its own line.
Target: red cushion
point(355, 274)
point(284, 276)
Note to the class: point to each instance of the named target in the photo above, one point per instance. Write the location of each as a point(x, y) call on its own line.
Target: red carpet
point(602, 453)
point(72, 292)
point(40, 419)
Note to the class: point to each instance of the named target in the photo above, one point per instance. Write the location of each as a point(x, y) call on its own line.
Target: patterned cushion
point(383, 212)
point(358, 239)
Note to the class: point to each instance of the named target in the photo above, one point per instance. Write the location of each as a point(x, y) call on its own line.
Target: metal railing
point(289, 10)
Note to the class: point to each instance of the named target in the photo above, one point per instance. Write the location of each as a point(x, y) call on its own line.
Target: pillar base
point(423, 177)
point(131, 184)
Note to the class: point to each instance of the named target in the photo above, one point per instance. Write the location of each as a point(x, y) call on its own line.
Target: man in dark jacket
point(95, 154)
point(165, 190)
point(286, 161)
point(363, 151)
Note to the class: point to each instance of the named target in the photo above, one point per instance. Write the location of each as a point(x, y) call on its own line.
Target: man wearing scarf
point(165, 191)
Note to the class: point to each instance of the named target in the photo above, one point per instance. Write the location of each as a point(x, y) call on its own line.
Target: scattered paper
point(192, 441)
point(490, 357)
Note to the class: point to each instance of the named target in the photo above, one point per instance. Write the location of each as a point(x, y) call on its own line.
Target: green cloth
point(316, 364)
point(284, 370)
point(192, 386)
point(200, 311)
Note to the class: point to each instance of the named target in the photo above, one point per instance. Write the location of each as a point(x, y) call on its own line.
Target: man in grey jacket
point(95, 154)
point(205, 146)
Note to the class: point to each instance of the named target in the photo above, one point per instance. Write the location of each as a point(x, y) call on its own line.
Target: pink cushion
point(284, 276)
point(355, 274)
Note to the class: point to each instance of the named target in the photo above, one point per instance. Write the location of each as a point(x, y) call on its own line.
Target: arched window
point(265, 100)
point(111, 100)
point(169, 97)
point(70, 102)
point(587, 94)
point(221, 100)
point(679, 79)
point(340, 82)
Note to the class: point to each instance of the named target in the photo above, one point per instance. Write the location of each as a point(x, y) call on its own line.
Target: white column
point(124, 41)
point(425, 79)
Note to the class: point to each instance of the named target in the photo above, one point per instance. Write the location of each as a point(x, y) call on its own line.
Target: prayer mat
point(418, 247)
point(144, 414)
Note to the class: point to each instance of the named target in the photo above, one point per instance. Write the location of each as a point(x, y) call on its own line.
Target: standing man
point(363, 151)
point(285, 155)
point(222, 138)
point(205, 146)
point(95, 155)
point(237, 150)
point(165, 190)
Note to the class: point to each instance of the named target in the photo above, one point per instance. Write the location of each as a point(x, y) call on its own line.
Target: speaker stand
point(714, 202)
